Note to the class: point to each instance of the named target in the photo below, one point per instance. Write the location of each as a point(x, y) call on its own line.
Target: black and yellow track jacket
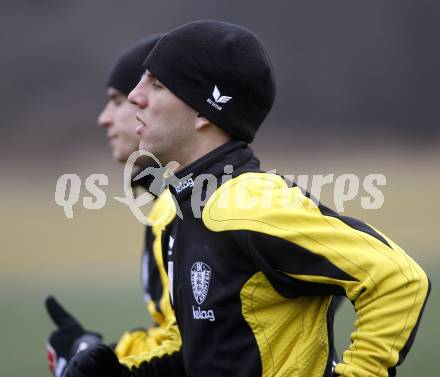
point(253, 277)
point(158, 339)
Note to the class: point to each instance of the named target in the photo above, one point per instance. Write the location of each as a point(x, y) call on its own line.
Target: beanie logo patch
point(218, 98)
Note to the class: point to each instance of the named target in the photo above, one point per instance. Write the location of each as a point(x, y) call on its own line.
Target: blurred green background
point(357, 93)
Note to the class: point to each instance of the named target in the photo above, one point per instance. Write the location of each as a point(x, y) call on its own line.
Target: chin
point(118, 157)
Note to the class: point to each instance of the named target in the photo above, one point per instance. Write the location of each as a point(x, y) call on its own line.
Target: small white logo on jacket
point(218, 98)
point(184, 185)
point(203, 314)
point(200, 279)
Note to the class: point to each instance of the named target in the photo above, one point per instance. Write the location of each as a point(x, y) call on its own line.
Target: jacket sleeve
point(140, 341)
point(157, 302)
point(154, 283)
point(156, 351)
point(306, 249)
point(165, 360)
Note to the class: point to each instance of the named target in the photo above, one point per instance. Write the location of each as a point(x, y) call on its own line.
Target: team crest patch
point(200, 277)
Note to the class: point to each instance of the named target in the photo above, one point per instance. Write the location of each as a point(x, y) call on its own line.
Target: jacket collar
point(235, 153)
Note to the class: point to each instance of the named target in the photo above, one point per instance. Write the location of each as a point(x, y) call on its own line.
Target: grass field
point(91, 262)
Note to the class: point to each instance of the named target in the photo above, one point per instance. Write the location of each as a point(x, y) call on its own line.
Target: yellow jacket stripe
point(305, 249)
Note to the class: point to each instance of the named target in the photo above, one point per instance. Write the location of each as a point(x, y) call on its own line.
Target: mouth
point(142, 126)
point(112, 138)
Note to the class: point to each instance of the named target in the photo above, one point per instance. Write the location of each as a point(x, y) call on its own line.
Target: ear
point(201, 122)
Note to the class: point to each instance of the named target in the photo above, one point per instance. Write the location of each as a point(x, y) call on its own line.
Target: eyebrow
point(148, 74)
point(115, 95)
point(151, 77)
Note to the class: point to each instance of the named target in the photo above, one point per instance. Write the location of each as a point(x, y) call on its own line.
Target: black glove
point(68, 339)
point(96, 361)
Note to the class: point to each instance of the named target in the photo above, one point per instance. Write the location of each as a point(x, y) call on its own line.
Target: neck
point(203, 146)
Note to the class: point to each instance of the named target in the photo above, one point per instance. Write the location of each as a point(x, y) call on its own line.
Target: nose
point(138, 95)
point(105, 119)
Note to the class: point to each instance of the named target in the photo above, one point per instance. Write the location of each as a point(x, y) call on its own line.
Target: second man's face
point(119, 119)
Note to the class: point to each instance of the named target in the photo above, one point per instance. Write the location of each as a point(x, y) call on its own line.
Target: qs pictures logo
point(68, 188)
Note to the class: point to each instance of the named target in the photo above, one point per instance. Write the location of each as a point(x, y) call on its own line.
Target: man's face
point(119, 118)
point(167, 124)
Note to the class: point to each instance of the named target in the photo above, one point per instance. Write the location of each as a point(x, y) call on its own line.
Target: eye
point(157, 84)
point(118, 100)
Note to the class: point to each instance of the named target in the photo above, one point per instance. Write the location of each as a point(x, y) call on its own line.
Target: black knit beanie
point(219, 69)
point(128, 69)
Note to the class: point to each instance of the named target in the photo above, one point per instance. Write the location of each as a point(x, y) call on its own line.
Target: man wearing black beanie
point(118, 119)
point(119, 116)
point(254, 265)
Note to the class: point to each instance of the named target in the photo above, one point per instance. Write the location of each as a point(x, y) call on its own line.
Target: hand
point(96, 361)
point(68, 339)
